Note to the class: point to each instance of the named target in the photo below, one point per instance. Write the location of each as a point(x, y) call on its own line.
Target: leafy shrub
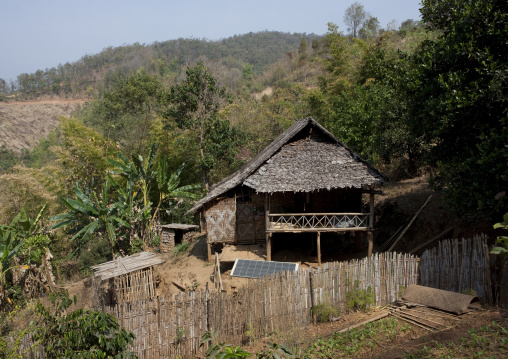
point(79, 334)
point(181, 248)
point(34, 248)
point(502, 241)
point(221, 349)
point(276, 351)
point(359, 299)
point(324, 312)
point(136, 246)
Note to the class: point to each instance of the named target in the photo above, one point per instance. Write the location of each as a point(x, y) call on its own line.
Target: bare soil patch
point(23, 124)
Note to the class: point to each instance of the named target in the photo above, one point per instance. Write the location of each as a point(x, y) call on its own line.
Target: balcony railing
point(318, 222)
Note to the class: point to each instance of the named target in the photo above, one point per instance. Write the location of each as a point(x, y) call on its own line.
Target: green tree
point(354, 16)
point(369, 29)
point(459, 104)
point(126, 112)
point(195, 105)
point(303, 51)
point(12, 238)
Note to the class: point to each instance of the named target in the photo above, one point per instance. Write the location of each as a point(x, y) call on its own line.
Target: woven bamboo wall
point(221, 221)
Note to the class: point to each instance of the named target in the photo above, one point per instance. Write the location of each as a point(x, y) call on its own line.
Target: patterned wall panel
point(220, 221)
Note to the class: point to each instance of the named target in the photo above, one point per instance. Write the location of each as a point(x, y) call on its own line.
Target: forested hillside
point(94, 73)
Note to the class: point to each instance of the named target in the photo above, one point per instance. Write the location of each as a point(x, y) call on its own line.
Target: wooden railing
point(318, 222)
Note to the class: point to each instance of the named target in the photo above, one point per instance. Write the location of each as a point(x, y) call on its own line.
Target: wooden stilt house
point(304, 181)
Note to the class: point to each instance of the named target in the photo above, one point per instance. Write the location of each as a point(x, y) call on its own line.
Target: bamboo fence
point(460, 266)
point(136, 285)
point(172, 326)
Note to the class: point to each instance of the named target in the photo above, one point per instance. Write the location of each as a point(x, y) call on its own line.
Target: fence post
point(312, 303)
point(207, 299)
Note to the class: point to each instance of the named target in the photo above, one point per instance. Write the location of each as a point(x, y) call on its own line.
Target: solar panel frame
point(250, 268)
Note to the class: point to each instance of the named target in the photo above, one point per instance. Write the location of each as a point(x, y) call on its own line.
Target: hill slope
point(23, 124)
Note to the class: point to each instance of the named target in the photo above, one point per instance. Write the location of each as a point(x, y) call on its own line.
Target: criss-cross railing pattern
point(315, 222)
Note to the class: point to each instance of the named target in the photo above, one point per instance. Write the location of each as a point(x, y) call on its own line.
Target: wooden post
point(269, 247)
point(209, 246)
point(370, 238)
point(311, 290)
point(319, 248)
point(370, 232)
point(267, 227)
point(371, 215)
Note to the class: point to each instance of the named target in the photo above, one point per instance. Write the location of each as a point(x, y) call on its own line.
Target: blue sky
point(39, 34)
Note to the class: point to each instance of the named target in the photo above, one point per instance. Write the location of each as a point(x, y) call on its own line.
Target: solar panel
point(248, 268)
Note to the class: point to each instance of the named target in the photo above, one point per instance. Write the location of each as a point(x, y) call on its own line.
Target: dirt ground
point(410, 342)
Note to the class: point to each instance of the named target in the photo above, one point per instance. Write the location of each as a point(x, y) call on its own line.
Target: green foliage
point(8, 159)
point(359, 341)
point(502, 241)
point(488, 341)
point(181, 248)
point(194, 105)
point(359, 299)
point(324, 312)
point(125, 215)
point(276, 351)
point(221, 350)
point(125, 112)
point(87, 214)
point(13, 236)
point(83, 153)
point(459, 105)
point(33, 248)
point(78, 334)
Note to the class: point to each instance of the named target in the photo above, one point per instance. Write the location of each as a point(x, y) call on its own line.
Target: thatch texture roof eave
point(253, 165)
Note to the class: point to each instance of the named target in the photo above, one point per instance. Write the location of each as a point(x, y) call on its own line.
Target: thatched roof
point(305, 158)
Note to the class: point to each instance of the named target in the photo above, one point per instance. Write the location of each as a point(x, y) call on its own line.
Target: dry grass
point(25, 123)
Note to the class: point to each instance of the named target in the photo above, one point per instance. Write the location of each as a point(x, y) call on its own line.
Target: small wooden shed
point(172, 234)
point(132, 275)
point(304, 181)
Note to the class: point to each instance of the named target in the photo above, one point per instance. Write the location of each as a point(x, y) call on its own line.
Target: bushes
point(359, 299)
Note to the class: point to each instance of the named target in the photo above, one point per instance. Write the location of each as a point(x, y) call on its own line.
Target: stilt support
point(268, 246)
point(319, 248)
point(370, 238)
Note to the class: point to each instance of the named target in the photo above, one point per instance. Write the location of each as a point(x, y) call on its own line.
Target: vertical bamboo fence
point(172, 326)
point(387, 274)
point(459, 266)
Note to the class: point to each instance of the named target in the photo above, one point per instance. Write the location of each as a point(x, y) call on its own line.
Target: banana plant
point(128, 208)
point(136, 171)
point(87, 215)
point(168, 186)
point(12, 237)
